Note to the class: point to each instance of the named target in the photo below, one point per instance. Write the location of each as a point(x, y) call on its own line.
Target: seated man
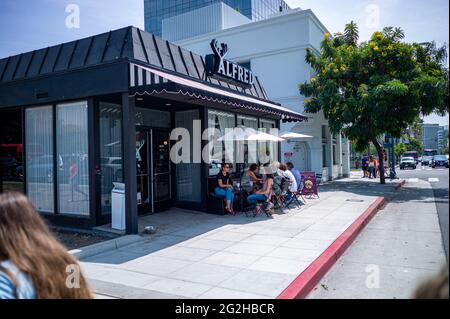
point(295, 172)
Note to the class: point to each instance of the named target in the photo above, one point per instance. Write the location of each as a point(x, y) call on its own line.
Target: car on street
point(408, 162)
point(439, 161)
point(426, 160)
point(413, 154)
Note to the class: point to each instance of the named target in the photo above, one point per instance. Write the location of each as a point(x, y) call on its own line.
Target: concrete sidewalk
point(196, 255)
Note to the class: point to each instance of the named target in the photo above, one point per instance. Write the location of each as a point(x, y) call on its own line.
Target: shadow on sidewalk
point(179, 226)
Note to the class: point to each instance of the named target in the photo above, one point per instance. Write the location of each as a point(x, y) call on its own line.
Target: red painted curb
point(310, 277)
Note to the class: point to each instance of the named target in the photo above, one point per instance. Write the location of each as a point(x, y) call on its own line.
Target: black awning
point(150, 81)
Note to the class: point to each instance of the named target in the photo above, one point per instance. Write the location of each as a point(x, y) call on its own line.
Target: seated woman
point(265, 193)
point(249, 180)
point(224, 187)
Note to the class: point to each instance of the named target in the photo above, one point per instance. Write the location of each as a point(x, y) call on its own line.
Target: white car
point(408, 162)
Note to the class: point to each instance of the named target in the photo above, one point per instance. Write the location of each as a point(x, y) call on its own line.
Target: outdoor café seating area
point(282, 196)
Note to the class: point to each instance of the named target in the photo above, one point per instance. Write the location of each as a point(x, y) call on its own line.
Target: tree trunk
point(380, 160)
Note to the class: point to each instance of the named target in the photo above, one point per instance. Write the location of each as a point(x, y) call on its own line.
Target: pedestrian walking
point(371, 167)
point(365, 166)
point(33, 264)
point(74, 178)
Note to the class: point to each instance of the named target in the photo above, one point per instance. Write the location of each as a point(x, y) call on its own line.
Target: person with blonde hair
point(33, 264)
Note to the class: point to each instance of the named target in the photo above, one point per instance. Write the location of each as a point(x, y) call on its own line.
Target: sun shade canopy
point(151, 81)
point(249, 134)
point(293, 135)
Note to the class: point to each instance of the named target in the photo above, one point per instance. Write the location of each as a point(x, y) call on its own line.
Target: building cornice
point(273, 52)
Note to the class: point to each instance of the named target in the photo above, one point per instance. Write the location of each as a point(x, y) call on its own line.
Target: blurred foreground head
point(26, 241)
point(435, 288)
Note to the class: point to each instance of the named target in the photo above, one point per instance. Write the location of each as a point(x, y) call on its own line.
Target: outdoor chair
point(297, 197)
point(280, 192)
point(319, 179)
point(216, 204)
point(254, 211)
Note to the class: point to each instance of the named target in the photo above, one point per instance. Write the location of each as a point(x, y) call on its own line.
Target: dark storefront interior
point(81, 116)
point(11, 165)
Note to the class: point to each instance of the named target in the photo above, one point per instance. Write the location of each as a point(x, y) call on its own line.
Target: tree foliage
point(399, 149)
point(376, 87)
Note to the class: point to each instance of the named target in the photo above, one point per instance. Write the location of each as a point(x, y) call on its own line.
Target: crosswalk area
point(432, 169)
point(430, 180)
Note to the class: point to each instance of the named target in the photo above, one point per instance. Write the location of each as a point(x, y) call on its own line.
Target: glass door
point(142, 171)
point(161, 169)
point(153, 170)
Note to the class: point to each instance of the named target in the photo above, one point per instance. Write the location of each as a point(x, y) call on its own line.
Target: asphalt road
point(438, 177)
point(400, 248)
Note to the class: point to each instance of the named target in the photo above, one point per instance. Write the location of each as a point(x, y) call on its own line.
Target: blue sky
point(26, 25)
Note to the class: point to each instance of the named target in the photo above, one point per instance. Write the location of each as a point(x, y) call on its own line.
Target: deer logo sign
point(217, 66)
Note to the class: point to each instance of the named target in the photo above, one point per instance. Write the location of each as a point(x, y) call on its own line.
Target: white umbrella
point(293, 135)
point(248, 134)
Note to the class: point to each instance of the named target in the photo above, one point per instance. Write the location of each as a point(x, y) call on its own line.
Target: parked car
point(439, 161)
point(408, 162)
point(40, 169)
point(426, 160)
point(114, 164)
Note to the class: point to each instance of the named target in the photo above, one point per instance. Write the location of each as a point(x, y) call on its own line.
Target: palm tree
point(398, 34)
point(351, 33)
point(395, 34)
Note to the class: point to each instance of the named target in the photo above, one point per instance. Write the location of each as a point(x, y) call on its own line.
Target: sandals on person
point(229, 211)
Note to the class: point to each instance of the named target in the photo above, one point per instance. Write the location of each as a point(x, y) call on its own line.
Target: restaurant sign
point(220, 68)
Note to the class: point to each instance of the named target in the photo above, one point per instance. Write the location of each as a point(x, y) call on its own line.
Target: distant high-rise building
point(442, 137)
point(157, 10)
point(430, 136)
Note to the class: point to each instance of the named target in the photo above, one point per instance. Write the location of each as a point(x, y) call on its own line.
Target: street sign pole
point(392, 173)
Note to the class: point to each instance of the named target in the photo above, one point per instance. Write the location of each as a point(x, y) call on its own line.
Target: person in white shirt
point(288, 174)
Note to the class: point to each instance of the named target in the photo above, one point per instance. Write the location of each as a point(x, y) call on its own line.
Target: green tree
point(415, 144)
point(399, 149)
point(377, 87)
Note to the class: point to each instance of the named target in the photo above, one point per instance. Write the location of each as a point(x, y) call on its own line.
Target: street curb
point(98, 248)
point(400, 184)
point(310, 277)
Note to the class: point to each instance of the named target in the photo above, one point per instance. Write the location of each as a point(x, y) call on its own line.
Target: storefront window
point(110, 151)
point(72, 150)
point(188, 174)
point(220, 151)
point(247, 152)
point(268, 151)
point(11, 165)
point(151, 117)
point(39, 157)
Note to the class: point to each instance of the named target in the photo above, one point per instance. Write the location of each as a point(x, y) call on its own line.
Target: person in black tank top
point(224, 187)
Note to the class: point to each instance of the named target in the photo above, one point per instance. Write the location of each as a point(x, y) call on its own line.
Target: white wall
point(276, 48)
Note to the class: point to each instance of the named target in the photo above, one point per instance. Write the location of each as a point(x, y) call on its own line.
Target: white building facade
point(275, 49)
